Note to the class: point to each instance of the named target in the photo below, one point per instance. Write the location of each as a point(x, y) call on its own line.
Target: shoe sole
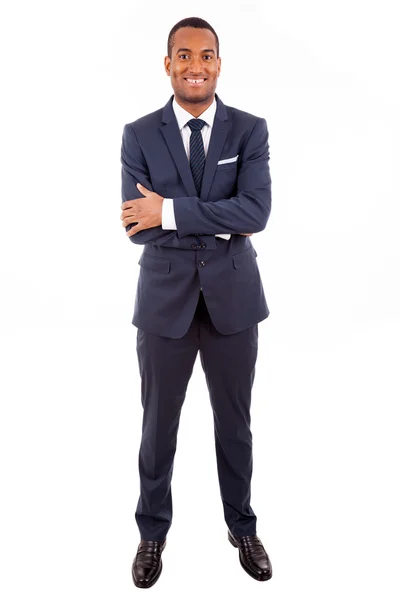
point(253, 575)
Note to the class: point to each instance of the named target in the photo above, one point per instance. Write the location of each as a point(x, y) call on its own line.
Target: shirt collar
point(183, 116)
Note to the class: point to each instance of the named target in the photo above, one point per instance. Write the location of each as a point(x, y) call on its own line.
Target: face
point(194, 57)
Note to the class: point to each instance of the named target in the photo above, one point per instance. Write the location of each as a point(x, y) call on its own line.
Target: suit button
point(203, 245)
point(202, 263)
point(194, 246)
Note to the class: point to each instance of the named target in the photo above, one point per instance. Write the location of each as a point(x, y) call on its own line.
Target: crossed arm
point(134, 171)
point(248, 210)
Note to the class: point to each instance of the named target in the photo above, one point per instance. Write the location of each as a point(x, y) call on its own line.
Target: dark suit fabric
point(165, 366)
point(235, 198)
point(176, 320)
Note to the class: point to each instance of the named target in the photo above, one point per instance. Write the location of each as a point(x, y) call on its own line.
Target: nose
point(195, 67)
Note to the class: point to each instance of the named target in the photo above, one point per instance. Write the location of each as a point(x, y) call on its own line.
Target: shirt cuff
point(168, 218)
point(168, 214)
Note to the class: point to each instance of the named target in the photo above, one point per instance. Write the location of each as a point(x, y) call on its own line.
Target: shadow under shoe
point(252, 555)
point(147, 564)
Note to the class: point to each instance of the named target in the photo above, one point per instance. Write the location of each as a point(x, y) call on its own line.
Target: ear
point(167, 65)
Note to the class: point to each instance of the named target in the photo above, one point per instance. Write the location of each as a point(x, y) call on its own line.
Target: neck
point(195, 109)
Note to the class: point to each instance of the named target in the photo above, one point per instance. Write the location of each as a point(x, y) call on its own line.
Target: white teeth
point(195, 80)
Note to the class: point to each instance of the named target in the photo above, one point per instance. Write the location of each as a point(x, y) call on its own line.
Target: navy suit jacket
point(235, 198)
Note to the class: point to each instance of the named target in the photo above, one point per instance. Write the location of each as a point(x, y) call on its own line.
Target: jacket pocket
point(242, 260)
point(227, 166)
point(162, 265)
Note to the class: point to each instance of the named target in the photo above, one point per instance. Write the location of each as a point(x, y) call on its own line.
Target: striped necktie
point(197, 155)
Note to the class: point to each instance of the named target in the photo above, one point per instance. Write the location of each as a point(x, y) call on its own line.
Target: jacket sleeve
point(134, 170)
point(249, 210)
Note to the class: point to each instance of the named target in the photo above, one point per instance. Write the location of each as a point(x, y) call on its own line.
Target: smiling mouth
point(195, 81)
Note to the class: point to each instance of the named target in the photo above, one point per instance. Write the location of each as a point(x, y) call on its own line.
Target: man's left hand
point(146, 212)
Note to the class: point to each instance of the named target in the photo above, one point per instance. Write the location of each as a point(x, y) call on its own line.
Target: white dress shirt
point(183, 116)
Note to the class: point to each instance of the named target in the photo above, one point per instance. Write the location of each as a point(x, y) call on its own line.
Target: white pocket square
point(227, 160)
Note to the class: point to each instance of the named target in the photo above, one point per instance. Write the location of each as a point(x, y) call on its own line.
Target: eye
point(208, 56)
point(180, 56)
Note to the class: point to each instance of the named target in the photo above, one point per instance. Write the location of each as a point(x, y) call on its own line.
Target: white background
point(324, 415)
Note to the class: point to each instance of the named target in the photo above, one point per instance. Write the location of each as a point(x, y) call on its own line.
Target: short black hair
point(190, 22)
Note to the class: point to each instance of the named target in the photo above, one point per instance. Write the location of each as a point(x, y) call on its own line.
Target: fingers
point(134, 230)
point(128, 220)
point(128, 204)
point(130, 208)
point(142, 189)
point(125, 215)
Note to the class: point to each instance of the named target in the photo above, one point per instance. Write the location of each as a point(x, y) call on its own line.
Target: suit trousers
point(165, 366)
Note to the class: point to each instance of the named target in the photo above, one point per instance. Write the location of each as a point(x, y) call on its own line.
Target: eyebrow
point(189, 50)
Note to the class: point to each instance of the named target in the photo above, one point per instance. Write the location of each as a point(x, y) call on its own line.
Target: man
point(195, 175)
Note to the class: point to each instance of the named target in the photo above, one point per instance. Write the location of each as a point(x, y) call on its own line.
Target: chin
point(195, 98)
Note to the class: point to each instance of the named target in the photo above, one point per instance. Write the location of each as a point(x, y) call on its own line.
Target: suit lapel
point(171, 133)
point(221, 126)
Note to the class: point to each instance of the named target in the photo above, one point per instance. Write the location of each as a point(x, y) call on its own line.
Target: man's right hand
point(245, 234)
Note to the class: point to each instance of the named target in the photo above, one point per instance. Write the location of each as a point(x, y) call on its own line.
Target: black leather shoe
point(147, 565)
point(252, 556)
